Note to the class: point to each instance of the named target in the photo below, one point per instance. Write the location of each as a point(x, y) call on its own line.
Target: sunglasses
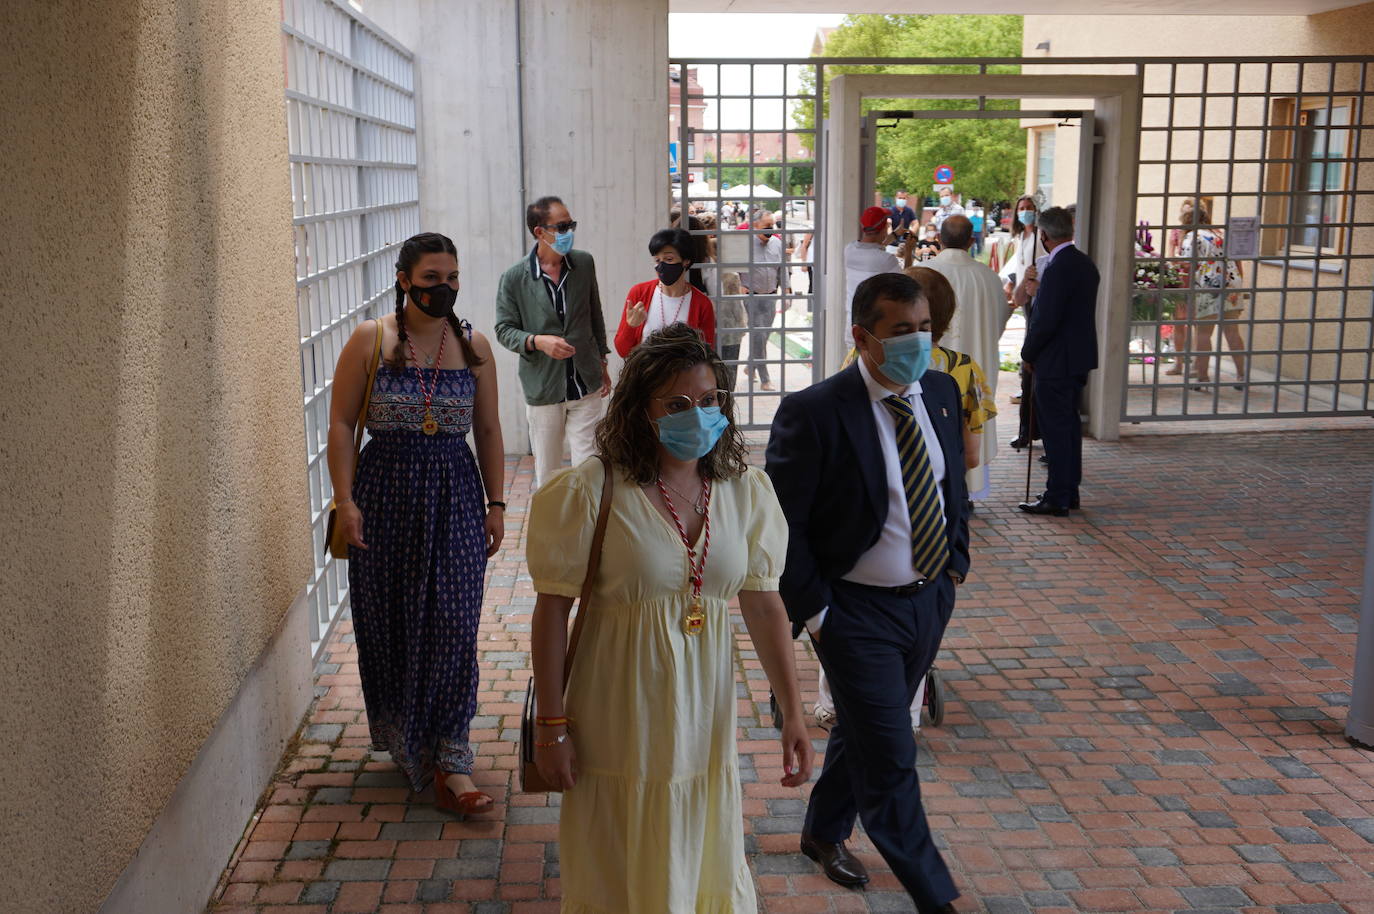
point(561, 227)
point(680, 403)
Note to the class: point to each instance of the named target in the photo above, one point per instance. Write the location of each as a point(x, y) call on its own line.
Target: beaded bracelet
point(561, 738)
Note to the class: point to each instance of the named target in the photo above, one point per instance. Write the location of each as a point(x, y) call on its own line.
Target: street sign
point(943, 174)
point(672, 158)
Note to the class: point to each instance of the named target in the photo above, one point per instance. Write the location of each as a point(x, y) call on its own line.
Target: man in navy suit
point(1061, 348)
point(868, 466)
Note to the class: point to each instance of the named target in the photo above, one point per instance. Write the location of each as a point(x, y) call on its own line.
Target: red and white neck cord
point(428, 391)
point(697, 569)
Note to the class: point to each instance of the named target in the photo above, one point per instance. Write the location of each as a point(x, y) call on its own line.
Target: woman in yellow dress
point(651, 815)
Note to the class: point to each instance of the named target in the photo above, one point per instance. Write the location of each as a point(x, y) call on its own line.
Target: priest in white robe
point(980, 315)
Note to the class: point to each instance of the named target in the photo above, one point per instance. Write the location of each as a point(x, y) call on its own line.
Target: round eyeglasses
point(680, 403)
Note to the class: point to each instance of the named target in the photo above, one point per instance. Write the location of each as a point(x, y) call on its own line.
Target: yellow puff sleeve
point(558, 535)
point(765, 532)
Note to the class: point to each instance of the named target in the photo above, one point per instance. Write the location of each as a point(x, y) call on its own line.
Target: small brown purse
point(334, 540)
point(531, 781)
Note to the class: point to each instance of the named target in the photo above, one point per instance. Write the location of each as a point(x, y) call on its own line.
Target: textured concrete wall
point(1344, 31)
point(595, 107)
point(151, 437)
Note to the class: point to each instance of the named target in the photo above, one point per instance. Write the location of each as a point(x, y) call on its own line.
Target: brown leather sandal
point(472, 803)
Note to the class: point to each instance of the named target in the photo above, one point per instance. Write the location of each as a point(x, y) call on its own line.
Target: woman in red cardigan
point(670, 299)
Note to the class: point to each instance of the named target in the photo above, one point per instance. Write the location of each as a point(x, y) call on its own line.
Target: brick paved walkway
point(1145, 711)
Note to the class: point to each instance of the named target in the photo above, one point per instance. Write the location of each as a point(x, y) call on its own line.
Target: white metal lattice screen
point(350, 110)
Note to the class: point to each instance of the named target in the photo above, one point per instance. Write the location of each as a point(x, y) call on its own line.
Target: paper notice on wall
point(1242, 237)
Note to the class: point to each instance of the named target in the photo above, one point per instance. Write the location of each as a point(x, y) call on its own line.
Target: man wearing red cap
point(864, 258)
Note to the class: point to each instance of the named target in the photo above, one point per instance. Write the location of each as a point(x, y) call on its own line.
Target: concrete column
point(586, 84)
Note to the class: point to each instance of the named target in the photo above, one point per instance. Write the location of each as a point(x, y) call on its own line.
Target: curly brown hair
point(940, 294)
point(628, 438)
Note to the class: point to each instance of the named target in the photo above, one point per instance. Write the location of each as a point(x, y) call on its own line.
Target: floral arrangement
point(1153, 275)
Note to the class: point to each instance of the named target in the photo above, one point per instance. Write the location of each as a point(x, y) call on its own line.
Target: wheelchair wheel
point(935, 698)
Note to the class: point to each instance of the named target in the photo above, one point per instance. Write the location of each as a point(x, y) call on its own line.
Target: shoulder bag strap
point(361, 424)
point(593, 563)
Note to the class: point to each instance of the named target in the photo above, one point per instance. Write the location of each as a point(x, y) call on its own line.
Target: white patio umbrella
point(747, 192)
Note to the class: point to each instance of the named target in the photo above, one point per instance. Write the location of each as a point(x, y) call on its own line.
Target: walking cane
point(1030, 434)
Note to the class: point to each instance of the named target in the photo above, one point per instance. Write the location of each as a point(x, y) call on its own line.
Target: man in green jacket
point(548, 310)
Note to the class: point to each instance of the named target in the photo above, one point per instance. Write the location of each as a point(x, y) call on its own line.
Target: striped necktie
point(929, 545)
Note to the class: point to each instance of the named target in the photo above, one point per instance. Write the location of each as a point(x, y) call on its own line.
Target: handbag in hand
point(531, 781)
point(335, 543)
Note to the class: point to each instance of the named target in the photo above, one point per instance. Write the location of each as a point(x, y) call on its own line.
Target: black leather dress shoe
point(942, 909)
point(1043, 507)
point(839, 864)
point(1018, 443)
point(1044, 459)
point(1073, 502)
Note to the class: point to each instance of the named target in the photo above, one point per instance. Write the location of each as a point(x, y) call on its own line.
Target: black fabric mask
point(441, 299)
point(669, 273)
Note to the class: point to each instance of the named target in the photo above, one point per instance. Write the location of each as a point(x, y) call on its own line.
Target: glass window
point(1044, 166)
point(1318, 181)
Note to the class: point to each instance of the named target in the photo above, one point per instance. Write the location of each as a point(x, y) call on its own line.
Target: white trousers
point(573, 422)
point(825, 702)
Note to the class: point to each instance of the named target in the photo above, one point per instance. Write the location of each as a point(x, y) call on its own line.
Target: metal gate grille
point(745, 144)
point(1263, 307)
point(350, 109)
point(1277, 149)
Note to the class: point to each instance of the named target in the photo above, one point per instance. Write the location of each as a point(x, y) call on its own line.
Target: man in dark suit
point(868, 466)
point(1061, 348)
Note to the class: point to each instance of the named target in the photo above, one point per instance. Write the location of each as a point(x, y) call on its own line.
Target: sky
point(752, 35)
point(745, 34)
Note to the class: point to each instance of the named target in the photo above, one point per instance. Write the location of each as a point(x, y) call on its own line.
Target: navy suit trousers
point(1056, 413)
point(875, 647)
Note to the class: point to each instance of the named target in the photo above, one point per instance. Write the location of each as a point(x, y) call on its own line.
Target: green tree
point(988, 155)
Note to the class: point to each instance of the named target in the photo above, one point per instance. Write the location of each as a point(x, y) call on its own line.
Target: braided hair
point(412, 250)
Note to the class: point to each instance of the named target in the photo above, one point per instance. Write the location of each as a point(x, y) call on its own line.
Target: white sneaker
point(825, 717)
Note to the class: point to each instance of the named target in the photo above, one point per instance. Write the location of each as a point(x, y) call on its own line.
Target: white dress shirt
point(888, 562)
point(863, 259)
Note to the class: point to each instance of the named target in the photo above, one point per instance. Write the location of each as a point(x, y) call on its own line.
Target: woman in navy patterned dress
point(419, 527)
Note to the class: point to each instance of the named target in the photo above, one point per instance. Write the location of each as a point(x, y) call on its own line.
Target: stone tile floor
point(1145, 713)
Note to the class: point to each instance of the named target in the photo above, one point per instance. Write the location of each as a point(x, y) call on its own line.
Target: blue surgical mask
point(906, 357)
point(1026, 216)
point(563, 241)
point(946, 200)
point(692, 433)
